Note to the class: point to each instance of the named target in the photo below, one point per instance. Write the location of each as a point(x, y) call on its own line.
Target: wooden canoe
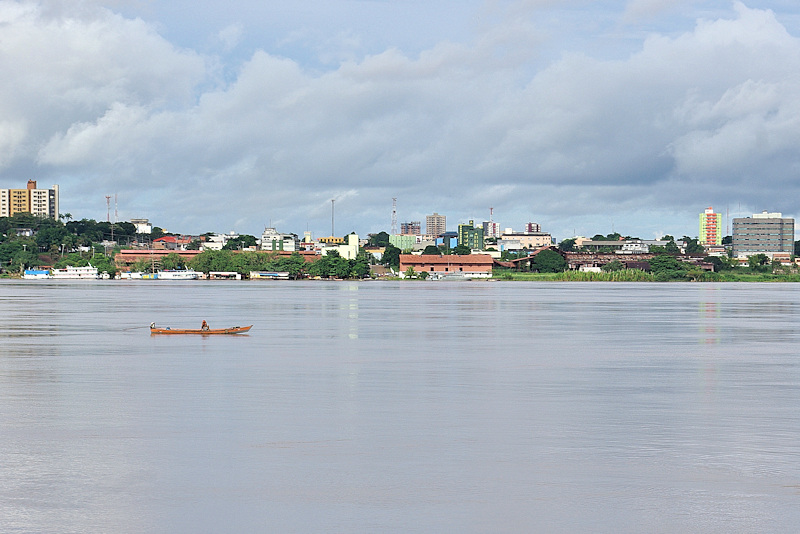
point(211, 331)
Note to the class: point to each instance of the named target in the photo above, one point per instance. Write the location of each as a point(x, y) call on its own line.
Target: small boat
point(167, 330)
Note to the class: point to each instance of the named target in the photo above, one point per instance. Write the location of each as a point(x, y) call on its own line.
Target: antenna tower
point(108, 208)
point(116, 213)
point(394, 216)
point(333, 201)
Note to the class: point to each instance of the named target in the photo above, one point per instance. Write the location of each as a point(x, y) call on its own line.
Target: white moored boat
point(177, 274)
point(36, 274)
point(76, 273)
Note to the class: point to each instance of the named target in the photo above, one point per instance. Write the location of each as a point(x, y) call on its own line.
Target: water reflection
point(467, 407)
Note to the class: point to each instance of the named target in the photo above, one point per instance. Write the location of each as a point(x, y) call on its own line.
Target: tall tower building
point(410, 228)
point(39, 202)
point(470, 236)
point(435, 224)
point(710, 228)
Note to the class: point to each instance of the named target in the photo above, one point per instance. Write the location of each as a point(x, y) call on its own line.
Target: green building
point(470, 236)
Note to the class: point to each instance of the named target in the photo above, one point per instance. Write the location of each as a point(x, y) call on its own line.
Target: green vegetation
point(57, 244)
point(330, 266)
point(391, 256)
point(549, 261)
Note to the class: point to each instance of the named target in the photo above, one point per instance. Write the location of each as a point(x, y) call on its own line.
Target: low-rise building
point(467, 266)
point(526, 240)
point(348, 250)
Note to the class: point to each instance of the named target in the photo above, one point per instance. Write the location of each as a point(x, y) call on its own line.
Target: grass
point(635, 275)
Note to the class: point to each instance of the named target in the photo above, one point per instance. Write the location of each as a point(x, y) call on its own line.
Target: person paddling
point(204, 326)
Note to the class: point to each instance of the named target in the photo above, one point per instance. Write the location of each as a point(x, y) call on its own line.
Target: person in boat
point(204, 326)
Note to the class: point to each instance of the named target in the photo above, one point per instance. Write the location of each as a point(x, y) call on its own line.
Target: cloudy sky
point(587, 116)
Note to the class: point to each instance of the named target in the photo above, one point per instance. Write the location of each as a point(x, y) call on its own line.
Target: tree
point(666, 267)
point(391, 256)
point(692, 246)
point(611, 266)
point(462, 250)
point(410, 273)
point(172, 261)
point(567, 245)
point(432, 250)
point(758, 262)
point(549, 261)
point(381, 239)
point(241, 242)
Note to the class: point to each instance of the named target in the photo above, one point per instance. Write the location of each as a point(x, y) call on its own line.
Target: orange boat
point(205, 332)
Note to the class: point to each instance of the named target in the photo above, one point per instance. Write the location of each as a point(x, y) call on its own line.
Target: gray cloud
point(103, 104)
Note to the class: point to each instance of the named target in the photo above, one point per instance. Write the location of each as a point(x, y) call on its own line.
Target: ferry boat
point(177, 274)
point(36, 274)
point(75, 273)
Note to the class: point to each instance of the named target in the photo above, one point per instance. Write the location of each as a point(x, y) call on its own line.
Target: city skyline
point(583, 117)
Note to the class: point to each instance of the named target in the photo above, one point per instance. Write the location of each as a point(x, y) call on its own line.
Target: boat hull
point(199, 331)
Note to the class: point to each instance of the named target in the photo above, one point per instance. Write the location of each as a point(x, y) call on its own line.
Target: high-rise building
point(763, 233)
point(39, 202)
point(435, 224)
point(470, 236)
point(710, 228)
point(491, 229)
point(533, 227)
point(411, 228)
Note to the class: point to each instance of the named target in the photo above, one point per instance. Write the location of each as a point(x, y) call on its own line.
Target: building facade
point(403, 242)
point(411, 228)
point(435, 224)
point(529, 240)
point(470, 236)
point(469, 266)
point(491, 229)
point(39, 202)
point(710, 228)
point(273, 240)
point(763, 233)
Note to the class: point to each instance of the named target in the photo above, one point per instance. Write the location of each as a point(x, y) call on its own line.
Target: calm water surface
point(402, 407)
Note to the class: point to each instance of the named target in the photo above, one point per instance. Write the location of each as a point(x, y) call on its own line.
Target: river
point(399, 407)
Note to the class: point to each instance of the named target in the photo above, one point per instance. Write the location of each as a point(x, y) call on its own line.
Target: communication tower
point(394, 216)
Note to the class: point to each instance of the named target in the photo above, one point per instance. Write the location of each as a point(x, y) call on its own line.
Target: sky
point(585, 116)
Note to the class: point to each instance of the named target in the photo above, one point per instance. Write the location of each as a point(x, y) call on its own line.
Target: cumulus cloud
point(103, 103)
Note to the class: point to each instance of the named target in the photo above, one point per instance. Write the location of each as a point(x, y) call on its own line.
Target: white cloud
point(104, 102)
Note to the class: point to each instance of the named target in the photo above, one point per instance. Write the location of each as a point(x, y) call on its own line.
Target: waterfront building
point(468, 266)
point(470, 236)
point(710, 228)
point(273, 240)
point(39, 202)
point(763, 233)
point(435, 224)
point(411, 228)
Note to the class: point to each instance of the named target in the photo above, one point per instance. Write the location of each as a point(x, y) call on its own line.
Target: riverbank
point(642, 276)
